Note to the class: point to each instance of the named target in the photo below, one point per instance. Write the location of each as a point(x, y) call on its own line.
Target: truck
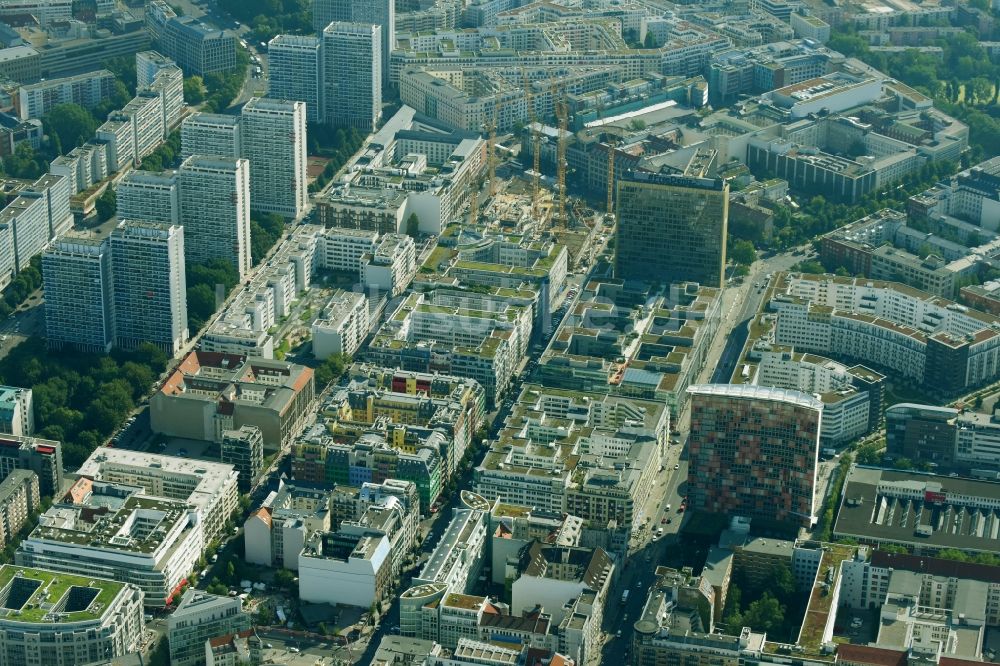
point(624, 597)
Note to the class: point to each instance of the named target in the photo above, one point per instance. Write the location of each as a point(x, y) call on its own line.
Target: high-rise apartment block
point(158, 73)
point(79, 311)
point(754, 452)
point(215, 209)
point(271, 135)
point(273, 139)
point(210, 134)
point(149, 196)
point(371, 12)
point(27, 224)
point(672, 228)
point(295, 69)
point(17, 414)
point(352, 84)
point(145, 112)
point(147, 265)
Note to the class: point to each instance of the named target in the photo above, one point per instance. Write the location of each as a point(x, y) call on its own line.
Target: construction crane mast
point(611, 178)
point(562, 114)
point(491, 157)
point(536, 144)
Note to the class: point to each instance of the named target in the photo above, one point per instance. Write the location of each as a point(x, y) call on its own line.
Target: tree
point(650, 41)
point(124, 69)
point(264, 233)
point(194, 90)
point(903, 463)
point(217, 587)
point(284, 579)
point(412, 225)
point(23, 163)
point(765, 614)
point(106, 204)
point(118, 98)
point(953, 554)
point(71, 124)
point(160, 656)
point(813, 267)
point(331, 369)
point(743, 253)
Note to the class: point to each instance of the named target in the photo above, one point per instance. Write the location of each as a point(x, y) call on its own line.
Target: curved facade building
point(57, 619)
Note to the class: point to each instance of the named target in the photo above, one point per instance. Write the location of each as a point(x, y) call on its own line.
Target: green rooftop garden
point(50, 590)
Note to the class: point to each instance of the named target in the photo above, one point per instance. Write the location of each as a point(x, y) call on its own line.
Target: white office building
point(108, 531)
point(79, 311)
point(352, 86)
point(349, 569)
point(341, 249)
point(273, 139)
point(342, 326)
point(210, 488)
point(390, 267)
point(215, 209)
point(294, 71)
point(147, 265)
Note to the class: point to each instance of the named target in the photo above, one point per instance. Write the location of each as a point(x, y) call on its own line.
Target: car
point(677, 466)
point(294, 650)
point(638, 584)
point(268, 646)
point(669, 520)
point(664, 521)
point(618, 634)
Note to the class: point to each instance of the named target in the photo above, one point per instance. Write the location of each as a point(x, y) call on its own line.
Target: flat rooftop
point(49, 597)
point(924, 510)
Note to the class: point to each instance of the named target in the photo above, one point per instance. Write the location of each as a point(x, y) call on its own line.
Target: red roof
point(863, 654)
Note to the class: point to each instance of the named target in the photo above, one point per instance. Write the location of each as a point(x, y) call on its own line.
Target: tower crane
point(491, 157)
point(611, 178)
point(536, 144)
point(562, 114)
